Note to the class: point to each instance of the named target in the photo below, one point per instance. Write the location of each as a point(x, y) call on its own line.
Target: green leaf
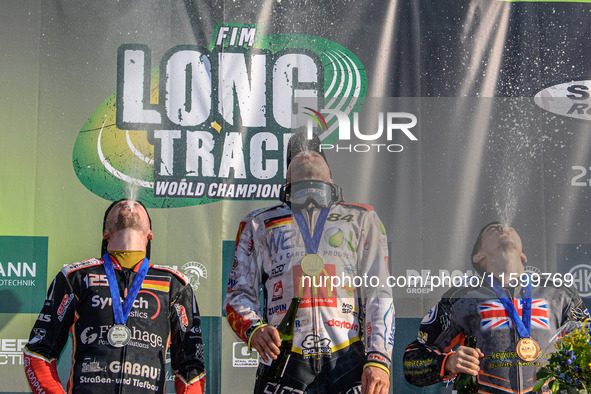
point(538, 385)
point(543, 374)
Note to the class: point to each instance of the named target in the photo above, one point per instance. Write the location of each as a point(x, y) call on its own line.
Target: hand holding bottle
point(464, 360)
point(266, 341)
point(272, 370)
point(466, 381)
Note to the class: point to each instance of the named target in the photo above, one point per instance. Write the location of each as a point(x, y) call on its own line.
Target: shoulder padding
point(173, 271)
point(365, 207)
point(260, 211)
point(69, 268)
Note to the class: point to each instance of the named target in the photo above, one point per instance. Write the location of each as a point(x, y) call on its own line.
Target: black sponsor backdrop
point(575, 259)
point(430, 48)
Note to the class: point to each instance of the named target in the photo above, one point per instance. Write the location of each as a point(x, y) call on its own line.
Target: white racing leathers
point(337, 308)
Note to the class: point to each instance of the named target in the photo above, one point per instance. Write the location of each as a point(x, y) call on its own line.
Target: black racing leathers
point(79, 302)
point(478, 311)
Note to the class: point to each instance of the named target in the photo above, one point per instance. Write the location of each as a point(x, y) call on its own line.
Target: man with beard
point(512, 316)
point(314, 234)
point(122, 312)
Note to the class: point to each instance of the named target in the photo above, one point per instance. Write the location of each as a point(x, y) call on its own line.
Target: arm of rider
point(266, 341)
point(464, 360)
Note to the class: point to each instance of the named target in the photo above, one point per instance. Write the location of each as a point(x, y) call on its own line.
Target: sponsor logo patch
point(570, 99)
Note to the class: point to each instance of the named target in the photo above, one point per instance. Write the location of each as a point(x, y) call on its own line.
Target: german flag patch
point(280, 221)
point(159, 283)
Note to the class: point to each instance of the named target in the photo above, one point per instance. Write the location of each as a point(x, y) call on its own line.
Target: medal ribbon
point(522, 325)
point(311, 242)
point(121, 313)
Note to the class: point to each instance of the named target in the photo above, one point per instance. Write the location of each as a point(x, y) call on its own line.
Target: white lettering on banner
point(218, 190)
point(285, 88)
point(200, 145)
point(135, 66)
point(12, 345)
point(228, 191)
point(18, 270)
point(179, 189)
point(246, 36)
point(582, 279)
point(182, 122)
point(17, 282)
point(250, 90)
point(11, 351)
point(199, 149)
point(233, 155)
point(263, 169)
point(581, 178)
point(11, 358)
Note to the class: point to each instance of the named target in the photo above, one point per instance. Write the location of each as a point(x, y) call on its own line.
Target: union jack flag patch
point(493, 314)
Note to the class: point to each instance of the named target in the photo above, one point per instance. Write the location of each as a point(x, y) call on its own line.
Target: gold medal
point(528, 349)
point(312, 264)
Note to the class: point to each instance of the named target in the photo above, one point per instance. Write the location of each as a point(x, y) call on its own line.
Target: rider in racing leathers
point(328, 351)
point(79, 302)
point(478, 311)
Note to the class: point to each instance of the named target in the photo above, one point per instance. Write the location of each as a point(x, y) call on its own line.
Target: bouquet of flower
point(569, 366)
